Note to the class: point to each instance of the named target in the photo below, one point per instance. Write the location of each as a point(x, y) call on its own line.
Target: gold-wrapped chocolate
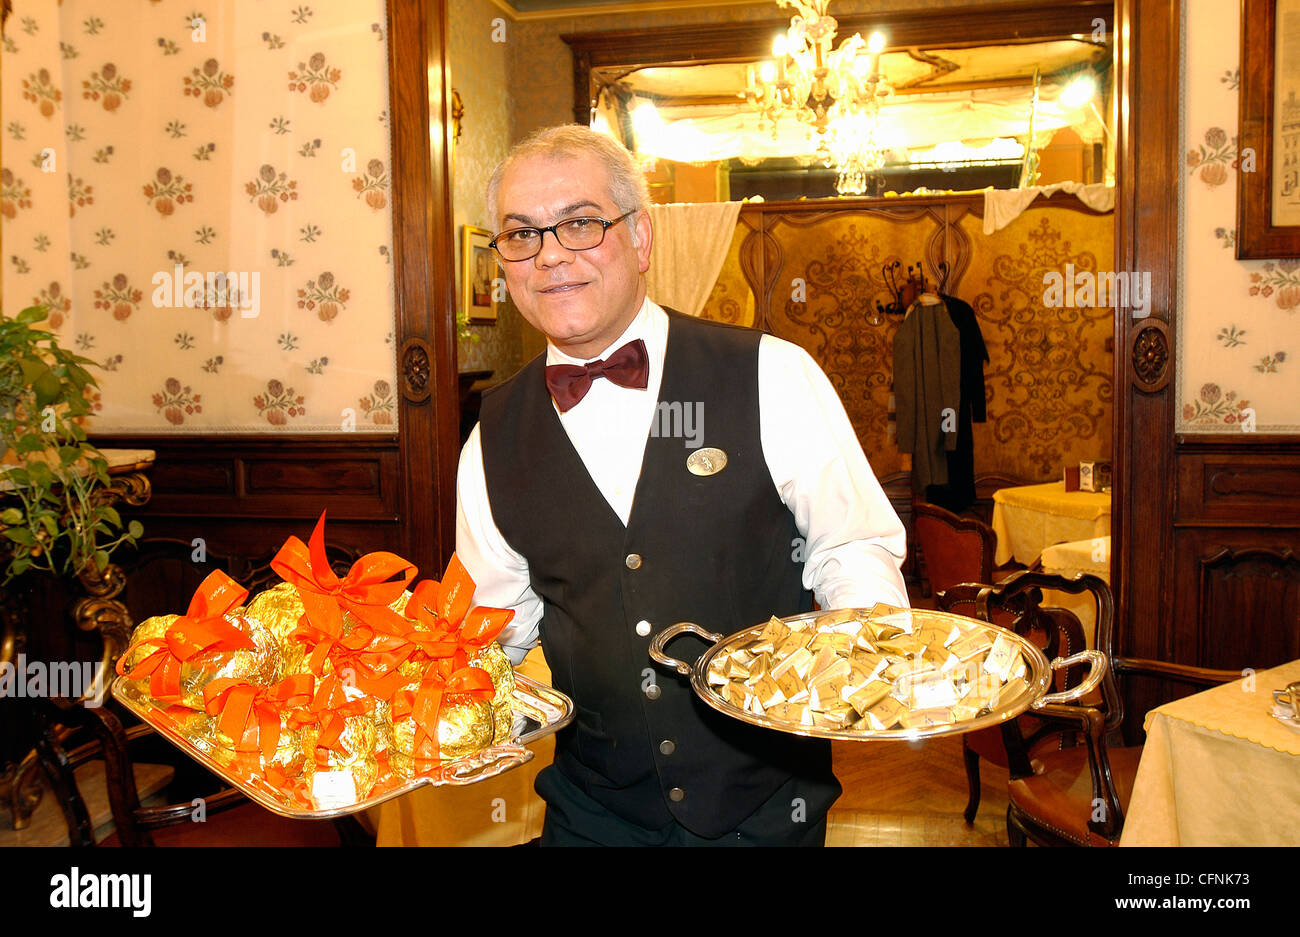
point(1002, 657)
point(494, 661)
point(279, 609)
point(259, 664)
point(864, 697)
point(465, 726)
point(357, 739)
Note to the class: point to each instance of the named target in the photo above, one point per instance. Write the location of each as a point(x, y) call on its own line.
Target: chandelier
point(836, 91)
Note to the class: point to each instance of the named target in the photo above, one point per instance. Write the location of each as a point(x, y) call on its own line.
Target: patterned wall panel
point(1048, 380)
point(143, 140)
point(839, 257)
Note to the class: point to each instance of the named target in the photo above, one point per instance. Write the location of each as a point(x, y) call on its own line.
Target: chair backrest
point(956, 549)
point(1018, 599)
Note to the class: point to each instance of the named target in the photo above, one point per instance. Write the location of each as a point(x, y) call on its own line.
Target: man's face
point(581, 300)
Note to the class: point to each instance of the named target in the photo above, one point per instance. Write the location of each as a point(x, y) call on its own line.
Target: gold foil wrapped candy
point(872, 671)
point(494, 661)
point(354, 753)
point(465, 726)
point(181, 654)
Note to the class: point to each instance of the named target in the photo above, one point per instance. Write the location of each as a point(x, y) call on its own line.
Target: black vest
point(717, 550)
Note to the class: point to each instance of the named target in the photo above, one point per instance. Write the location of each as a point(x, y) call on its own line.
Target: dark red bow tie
point(627, 367)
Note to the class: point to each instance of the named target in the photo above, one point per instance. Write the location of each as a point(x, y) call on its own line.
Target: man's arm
point(854, 542)
point(500, 574)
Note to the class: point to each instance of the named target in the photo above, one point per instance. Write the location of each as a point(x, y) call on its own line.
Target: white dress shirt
point(853, 542)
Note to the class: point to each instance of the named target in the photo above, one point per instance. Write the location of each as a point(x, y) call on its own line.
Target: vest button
point(667, 746)
point(632, 561)
point(677, 795)
point(652, 691)
point(643, 628)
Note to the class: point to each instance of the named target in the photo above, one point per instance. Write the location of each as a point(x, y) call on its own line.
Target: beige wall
point(480, 69)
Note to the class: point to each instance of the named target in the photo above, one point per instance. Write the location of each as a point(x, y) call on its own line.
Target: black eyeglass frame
point(541, 235)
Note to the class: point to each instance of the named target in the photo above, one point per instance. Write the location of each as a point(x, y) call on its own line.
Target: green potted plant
point(53, 516)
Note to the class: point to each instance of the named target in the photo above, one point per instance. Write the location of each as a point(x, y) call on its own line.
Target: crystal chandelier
point(836, 91)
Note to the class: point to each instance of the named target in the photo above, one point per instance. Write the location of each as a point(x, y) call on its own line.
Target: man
point(582, 509)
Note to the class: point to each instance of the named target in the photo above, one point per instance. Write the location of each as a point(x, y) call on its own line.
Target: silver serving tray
point(1018, 696)
point(539, 711)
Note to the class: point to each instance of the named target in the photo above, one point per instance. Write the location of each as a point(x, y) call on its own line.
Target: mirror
point(962, 100)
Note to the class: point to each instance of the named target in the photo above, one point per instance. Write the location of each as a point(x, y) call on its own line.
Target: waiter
point(589, 507)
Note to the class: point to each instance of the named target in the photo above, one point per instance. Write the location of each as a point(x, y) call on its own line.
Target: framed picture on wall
point(478, 270)
point(1268, 133)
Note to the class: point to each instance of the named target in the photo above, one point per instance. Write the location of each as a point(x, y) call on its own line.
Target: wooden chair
point(956, 549)
point(960, 550)
point(1072, 794)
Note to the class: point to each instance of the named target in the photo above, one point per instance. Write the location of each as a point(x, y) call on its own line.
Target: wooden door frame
point(1148, 164)
point(425, 278)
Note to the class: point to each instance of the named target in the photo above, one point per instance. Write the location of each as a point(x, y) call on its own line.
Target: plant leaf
point(135, 528)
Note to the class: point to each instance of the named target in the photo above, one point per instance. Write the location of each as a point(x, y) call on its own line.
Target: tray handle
point(1096, 670)
point(485, 764)
point(672, 631)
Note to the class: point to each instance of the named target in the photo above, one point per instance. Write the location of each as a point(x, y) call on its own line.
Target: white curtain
point(690, 244)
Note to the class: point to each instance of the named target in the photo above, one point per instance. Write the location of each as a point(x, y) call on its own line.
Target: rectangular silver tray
point(539, 711)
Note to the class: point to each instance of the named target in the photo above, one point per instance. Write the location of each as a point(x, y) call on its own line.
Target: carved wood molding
point(1268, 481)
point(416, 363)
point(1150, 358)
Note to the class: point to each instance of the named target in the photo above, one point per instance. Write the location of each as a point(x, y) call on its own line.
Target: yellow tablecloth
point(1031, 517)
point(502, 811)
point(1070, 559)
point(1219, 770)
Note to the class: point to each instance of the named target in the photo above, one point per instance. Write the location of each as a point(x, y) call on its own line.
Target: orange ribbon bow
point(329, 709)
point(202, 630)
point(249, 712)
point(444, 609)
point(365, 592)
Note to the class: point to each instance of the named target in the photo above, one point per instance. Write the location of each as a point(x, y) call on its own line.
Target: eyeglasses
point(576, 234)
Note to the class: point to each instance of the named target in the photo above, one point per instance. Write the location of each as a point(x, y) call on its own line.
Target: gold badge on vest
point(707, 461)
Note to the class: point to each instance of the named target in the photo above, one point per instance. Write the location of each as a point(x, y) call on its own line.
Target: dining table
point(1029, 518)
point(1220, 769)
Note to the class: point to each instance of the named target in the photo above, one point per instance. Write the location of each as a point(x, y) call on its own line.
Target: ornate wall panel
point(1048, 380)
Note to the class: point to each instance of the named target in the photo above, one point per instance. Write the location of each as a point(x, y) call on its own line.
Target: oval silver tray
point(539, 711)
point(1017, 696)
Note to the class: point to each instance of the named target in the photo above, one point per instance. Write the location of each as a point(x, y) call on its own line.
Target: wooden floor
point(913, 793)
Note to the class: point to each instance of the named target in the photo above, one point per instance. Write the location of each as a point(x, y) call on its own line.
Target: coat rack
point(905, 291)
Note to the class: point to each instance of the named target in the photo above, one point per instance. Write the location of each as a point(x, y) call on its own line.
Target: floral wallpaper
point(1238, 321)
point(224, 167)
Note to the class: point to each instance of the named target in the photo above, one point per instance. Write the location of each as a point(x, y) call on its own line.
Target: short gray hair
point(627, 186)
